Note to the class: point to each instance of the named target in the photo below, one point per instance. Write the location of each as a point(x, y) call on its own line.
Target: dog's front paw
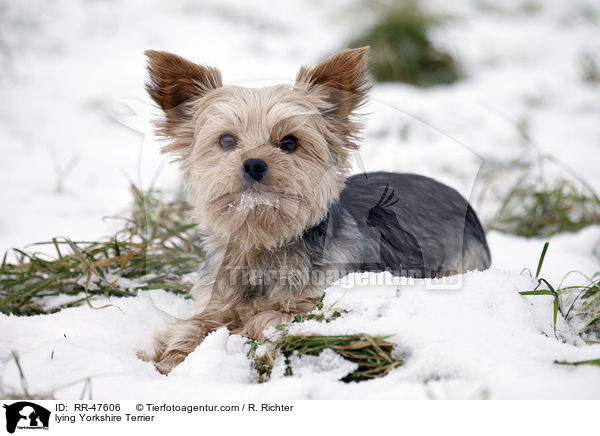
point(171, 346)
point(143, 356)
point(169, 360)
point(261, 321)
point(163, 362)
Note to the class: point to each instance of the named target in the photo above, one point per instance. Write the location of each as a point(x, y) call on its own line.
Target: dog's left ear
point(175, 81)
point(341, 80)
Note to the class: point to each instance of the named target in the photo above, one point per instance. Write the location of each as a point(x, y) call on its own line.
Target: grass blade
point(541, 261)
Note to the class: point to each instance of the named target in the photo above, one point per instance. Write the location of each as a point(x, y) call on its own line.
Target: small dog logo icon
point(26, 415)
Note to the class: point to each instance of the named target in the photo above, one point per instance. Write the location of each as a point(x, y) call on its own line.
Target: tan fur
point(251, 229)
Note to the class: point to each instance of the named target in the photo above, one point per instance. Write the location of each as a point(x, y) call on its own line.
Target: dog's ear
point(341, 80)
point(175, 80)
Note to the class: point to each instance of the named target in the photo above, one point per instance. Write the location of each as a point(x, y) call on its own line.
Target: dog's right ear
point(175, 81)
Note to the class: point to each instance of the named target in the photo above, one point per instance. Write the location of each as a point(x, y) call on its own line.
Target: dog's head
point(260, 165)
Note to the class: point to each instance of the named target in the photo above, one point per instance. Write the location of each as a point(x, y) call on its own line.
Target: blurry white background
point(67, 66)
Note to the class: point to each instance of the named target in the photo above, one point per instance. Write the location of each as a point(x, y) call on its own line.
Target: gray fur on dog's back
point(404, 223)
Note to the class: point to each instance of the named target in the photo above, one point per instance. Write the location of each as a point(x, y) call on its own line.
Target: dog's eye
point(227, 141)
point(288, 144)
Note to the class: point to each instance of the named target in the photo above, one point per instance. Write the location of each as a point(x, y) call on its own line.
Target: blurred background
point(501, 100)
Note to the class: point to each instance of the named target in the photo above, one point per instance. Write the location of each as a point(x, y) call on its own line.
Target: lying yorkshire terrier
point(266, 171)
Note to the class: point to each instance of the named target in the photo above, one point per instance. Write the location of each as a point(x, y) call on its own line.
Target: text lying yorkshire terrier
point(266, 171)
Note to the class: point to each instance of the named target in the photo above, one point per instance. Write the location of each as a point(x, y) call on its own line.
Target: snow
point(75, 131)
point(482, 339)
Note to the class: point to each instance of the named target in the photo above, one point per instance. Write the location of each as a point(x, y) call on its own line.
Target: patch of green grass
point(402, 50)
point(536, 209)
point(579, 305)
point(595, 362)
point(372, 354)
point(530, 205)
point(154, 249)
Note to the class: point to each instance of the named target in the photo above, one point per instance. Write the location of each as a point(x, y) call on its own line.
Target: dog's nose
point(255, 168)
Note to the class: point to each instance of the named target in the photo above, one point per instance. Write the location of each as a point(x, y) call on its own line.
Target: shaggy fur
point(275, 244)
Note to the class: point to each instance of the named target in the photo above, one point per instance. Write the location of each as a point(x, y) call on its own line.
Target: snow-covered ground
point(74, 132)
